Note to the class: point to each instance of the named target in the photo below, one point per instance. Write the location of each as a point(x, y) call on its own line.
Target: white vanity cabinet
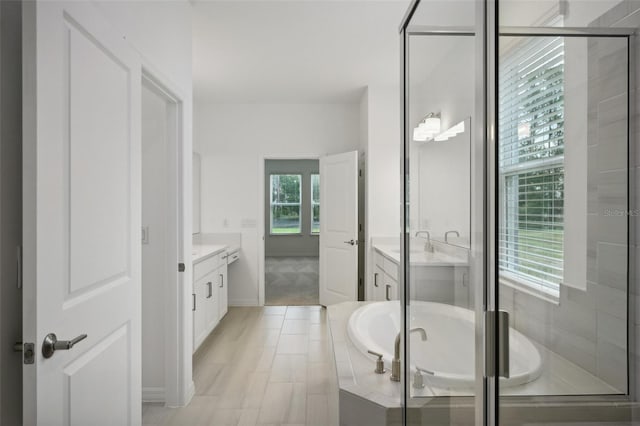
point(200, 310)
point(210, 294)
point(385, 278)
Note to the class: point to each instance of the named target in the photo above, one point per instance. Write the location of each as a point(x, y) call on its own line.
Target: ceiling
point(294, 51)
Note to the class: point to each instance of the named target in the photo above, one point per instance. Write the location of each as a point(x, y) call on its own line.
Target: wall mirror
point(444, 184)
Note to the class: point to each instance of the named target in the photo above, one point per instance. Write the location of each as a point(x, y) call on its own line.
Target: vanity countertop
point(421, 257)
point(200, 252)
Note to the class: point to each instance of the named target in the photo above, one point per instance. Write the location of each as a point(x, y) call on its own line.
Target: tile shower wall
point(589, 327)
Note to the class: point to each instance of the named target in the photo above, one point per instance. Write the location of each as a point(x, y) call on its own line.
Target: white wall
point(233, 139)
point(10, 211)
point(161, 32)
point(380, 134)
point(154, 216)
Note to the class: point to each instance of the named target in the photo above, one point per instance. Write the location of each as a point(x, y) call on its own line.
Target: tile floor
point(260, 366)
point(291, 281)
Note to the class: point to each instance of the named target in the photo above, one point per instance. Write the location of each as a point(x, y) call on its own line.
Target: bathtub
point(449, 352)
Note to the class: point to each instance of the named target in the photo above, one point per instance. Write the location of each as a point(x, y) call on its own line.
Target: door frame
point(262, 225)
point(179, 387)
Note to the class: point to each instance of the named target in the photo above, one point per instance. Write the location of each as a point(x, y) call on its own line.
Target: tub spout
point(395, 363)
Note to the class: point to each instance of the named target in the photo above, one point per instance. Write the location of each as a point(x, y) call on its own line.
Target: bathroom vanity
point(385, 274)
point(210, 287)
point(442, 276)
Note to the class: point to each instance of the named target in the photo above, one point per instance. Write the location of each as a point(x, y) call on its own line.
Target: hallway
point(291, 281)
point(261, 366)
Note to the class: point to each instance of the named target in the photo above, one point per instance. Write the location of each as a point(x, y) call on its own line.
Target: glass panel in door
point(439, 352)
point(562, 225)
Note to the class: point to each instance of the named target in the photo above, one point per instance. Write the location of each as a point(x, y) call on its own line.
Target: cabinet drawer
point(201, 269)
point(390, 288)
point(391, 268)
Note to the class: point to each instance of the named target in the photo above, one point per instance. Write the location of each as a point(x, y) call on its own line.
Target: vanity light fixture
point(451, 132)
point(427, 128)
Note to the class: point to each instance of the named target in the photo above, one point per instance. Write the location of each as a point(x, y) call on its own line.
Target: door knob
point(352, 242)
point(52, 344)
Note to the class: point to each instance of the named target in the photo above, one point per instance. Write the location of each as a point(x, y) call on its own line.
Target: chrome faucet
point(428, 247)
point(395, 363)
point(446, 235)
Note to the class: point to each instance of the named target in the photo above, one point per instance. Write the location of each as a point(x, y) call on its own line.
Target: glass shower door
point(442, 295)
point(518, 287)
point(562, 221)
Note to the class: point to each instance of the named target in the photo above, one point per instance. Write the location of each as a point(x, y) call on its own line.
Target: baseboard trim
point(156, 394)
point(243, 302)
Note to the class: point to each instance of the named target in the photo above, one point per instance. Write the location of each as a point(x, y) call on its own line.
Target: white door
point(339, 228)
point(82, 217)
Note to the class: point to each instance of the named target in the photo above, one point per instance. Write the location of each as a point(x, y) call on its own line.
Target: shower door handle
point(496, 332)
point(503, 344)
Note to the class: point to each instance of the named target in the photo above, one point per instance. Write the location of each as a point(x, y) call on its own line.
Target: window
point(315, 204)
point(285, 204)
point(531, 150)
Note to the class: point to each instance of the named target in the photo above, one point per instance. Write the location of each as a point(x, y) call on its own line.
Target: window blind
point(531, 159)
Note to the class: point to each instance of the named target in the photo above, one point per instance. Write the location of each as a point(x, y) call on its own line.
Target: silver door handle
point(387, 292)
point(52, 344)
point(221, 280)
point(375, 279)
point(210, 290)
point(496, 327)
point(352, 242)
point(193, 308)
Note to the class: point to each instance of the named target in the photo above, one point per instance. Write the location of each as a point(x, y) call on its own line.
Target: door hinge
point(181, 267)
point(28, 352)
point(496, 343)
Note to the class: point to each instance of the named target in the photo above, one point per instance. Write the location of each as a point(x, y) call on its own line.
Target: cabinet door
point(200, 329)
point(211, 302)
point(378, 284)
point(223, 291)
point(390, 288)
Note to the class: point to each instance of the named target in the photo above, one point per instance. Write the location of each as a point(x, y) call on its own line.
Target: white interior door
point(339, 228)
point(81, 217)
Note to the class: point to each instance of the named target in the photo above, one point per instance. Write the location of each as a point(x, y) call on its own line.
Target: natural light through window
point(286, 200)
point(531, 120)
point(315, 204)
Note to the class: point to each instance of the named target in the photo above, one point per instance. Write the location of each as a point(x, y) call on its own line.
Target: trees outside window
point(286, 201)
point(315, 204)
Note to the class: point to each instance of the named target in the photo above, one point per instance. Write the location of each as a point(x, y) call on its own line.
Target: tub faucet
point(427, 247)
point(446, 235)
point(395, 363)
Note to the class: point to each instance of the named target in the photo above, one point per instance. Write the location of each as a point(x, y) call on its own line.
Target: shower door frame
point(494, 399)
point(478, 203)
point(484, 198)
